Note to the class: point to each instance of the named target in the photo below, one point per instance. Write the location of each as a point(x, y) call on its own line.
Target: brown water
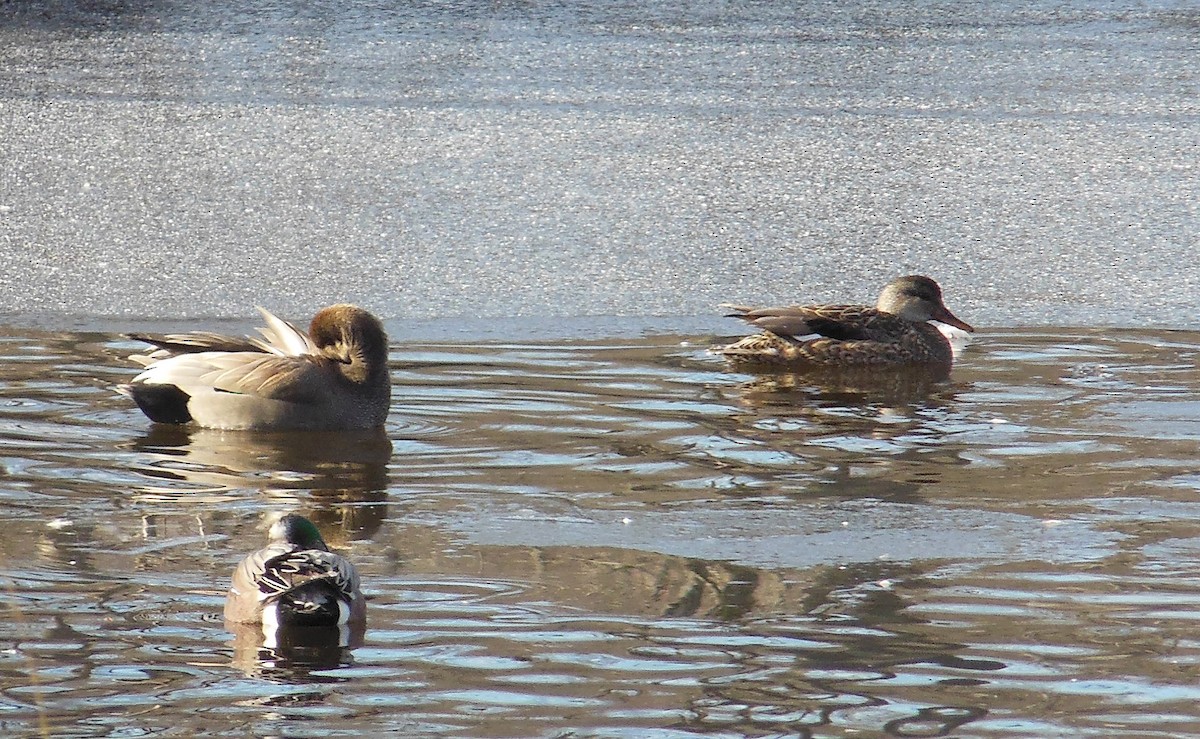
point(624, 539)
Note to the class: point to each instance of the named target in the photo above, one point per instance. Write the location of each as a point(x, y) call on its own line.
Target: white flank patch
point(270, 617)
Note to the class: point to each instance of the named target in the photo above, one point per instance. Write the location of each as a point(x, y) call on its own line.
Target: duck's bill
point(943, 315)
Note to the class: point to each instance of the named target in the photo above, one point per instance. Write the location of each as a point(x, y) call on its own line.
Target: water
point(622, 538)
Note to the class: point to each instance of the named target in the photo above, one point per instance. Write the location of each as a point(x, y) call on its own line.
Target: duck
point(295, 581)
point(896, 332)
point(333, 378)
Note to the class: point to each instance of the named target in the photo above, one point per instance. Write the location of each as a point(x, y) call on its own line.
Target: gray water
point(578, 522)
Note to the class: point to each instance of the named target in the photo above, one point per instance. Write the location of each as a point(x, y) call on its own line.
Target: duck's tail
point(315, 603)
point(161, 403)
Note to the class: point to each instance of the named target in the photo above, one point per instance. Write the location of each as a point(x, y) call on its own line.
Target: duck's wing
point(278, 569)
point(244, 586)
point(286, 572)
point(281, 337)
point(841, 322)
point(303, 379)
point(170, 345)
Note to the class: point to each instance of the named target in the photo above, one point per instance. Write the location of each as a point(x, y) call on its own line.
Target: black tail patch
point(314, 603)
point(162, 403)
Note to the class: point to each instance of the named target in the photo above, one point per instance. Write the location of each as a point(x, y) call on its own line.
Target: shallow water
point(622, 538)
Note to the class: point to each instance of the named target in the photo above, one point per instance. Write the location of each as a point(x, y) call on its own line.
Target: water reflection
point(898, 386)
point(293, 655)
point(623, 537)
point(340, 478)
point(848, 434)
point(850, 633)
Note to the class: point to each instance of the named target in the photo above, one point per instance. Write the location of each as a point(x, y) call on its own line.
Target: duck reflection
point(294, 653)
point(811, 645)
point(854, 432)
point(342, 475)
point(628, 580)
point(868, 636)
point(895, 386)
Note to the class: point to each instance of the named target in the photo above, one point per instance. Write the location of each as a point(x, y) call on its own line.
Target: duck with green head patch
point(295, 581)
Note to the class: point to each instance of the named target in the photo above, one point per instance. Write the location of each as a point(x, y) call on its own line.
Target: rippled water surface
point(622, 538)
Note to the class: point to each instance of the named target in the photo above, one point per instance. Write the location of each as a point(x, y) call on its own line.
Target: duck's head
point(918, 298)
point(352, 336)
point(297, 531)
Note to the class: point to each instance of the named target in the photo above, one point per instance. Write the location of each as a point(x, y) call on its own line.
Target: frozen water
point(556, 159)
